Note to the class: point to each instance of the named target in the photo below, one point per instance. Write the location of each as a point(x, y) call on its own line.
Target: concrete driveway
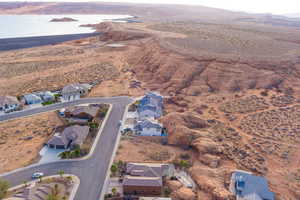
point(91, 171)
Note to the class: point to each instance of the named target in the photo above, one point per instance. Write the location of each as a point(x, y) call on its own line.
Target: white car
point(37, 175)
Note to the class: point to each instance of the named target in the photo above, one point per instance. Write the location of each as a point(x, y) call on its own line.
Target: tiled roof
point(76, 87)
point(146, 169)
point(91, 110)
point(77, 134)
point(8, 100)
point(58, 139)
point(142, 181)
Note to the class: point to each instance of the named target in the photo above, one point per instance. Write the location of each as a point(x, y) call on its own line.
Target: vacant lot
point(51, 68)
point(231, 40)
point(21, 139)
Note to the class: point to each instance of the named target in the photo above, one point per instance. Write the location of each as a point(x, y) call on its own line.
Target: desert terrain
point(22, 139)
point(232, 87)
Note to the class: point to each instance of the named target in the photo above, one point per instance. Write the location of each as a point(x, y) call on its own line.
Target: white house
point(148, 128)
point(150, 106)
point(74, 91)
point(9, 104)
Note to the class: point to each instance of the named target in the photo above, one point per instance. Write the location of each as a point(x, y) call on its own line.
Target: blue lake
point(12, 26)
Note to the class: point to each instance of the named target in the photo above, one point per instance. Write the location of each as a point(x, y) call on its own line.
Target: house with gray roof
point(148, 128)
point(147, 169)
point(74, 91)
point(46, 96)
point(31, 99)
point(71, 136)
point(246, 186)
point(9, 104)
point(82, 112)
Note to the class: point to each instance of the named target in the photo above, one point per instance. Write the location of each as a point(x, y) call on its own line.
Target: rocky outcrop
point(173, 185)
point(64, 19)
point(175, 73)
point(184, 194)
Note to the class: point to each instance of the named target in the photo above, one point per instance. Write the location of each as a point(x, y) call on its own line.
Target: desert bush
point(264, 93)
point(185, 156)
point(4, 185)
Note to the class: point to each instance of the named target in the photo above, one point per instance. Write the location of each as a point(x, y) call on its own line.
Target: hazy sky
point(260, 6)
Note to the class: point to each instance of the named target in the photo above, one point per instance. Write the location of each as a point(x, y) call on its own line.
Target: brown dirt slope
point(22, 139)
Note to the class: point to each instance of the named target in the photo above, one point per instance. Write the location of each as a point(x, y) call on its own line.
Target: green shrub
point(185, 156)
point(48, 103)
point(93, 125)
point(4, 185)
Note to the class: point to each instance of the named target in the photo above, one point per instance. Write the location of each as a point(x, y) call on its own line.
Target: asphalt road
point(91, 171)
point(28, 42)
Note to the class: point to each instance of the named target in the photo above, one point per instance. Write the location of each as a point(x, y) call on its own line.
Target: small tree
point(61, 173)
point(114, 191)
point(41, 178)
point(184, 164)
point(167, 192)
point(25, 183)
point(114, 169)
point(4, 185)
point(51, 197)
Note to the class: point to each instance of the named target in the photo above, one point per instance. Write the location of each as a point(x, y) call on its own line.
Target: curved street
point(91, 171)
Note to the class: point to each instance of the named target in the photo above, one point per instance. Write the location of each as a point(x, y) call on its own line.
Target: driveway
point(91, 171)
point(49, 154)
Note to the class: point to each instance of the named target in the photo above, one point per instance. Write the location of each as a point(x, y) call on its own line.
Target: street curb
point(113, 156)
point(97, 137)
point(74, 189)
point(53, 107)
point(70, 160)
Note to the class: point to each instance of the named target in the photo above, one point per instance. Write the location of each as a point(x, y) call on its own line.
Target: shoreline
point(8, 44)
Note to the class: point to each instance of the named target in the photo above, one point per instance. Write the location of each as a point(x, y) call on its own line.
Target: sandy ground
point(22, 139)
point(144, 150)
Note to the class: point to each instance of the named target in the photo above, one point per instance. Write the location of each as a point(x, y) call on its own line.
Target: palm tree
point(61, 173)
point(4, 185)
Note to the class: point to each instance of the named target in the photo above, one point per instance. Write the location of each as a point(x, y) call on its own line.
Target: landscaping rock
point(210, 160)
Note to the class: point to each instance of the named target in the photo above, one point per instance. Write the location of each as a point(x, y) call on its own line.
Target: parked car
point(37, 175)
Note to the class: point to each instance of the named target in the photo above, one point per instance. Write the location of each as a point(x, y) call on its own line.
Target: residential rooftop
point(247, 186)
point(142, 181)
